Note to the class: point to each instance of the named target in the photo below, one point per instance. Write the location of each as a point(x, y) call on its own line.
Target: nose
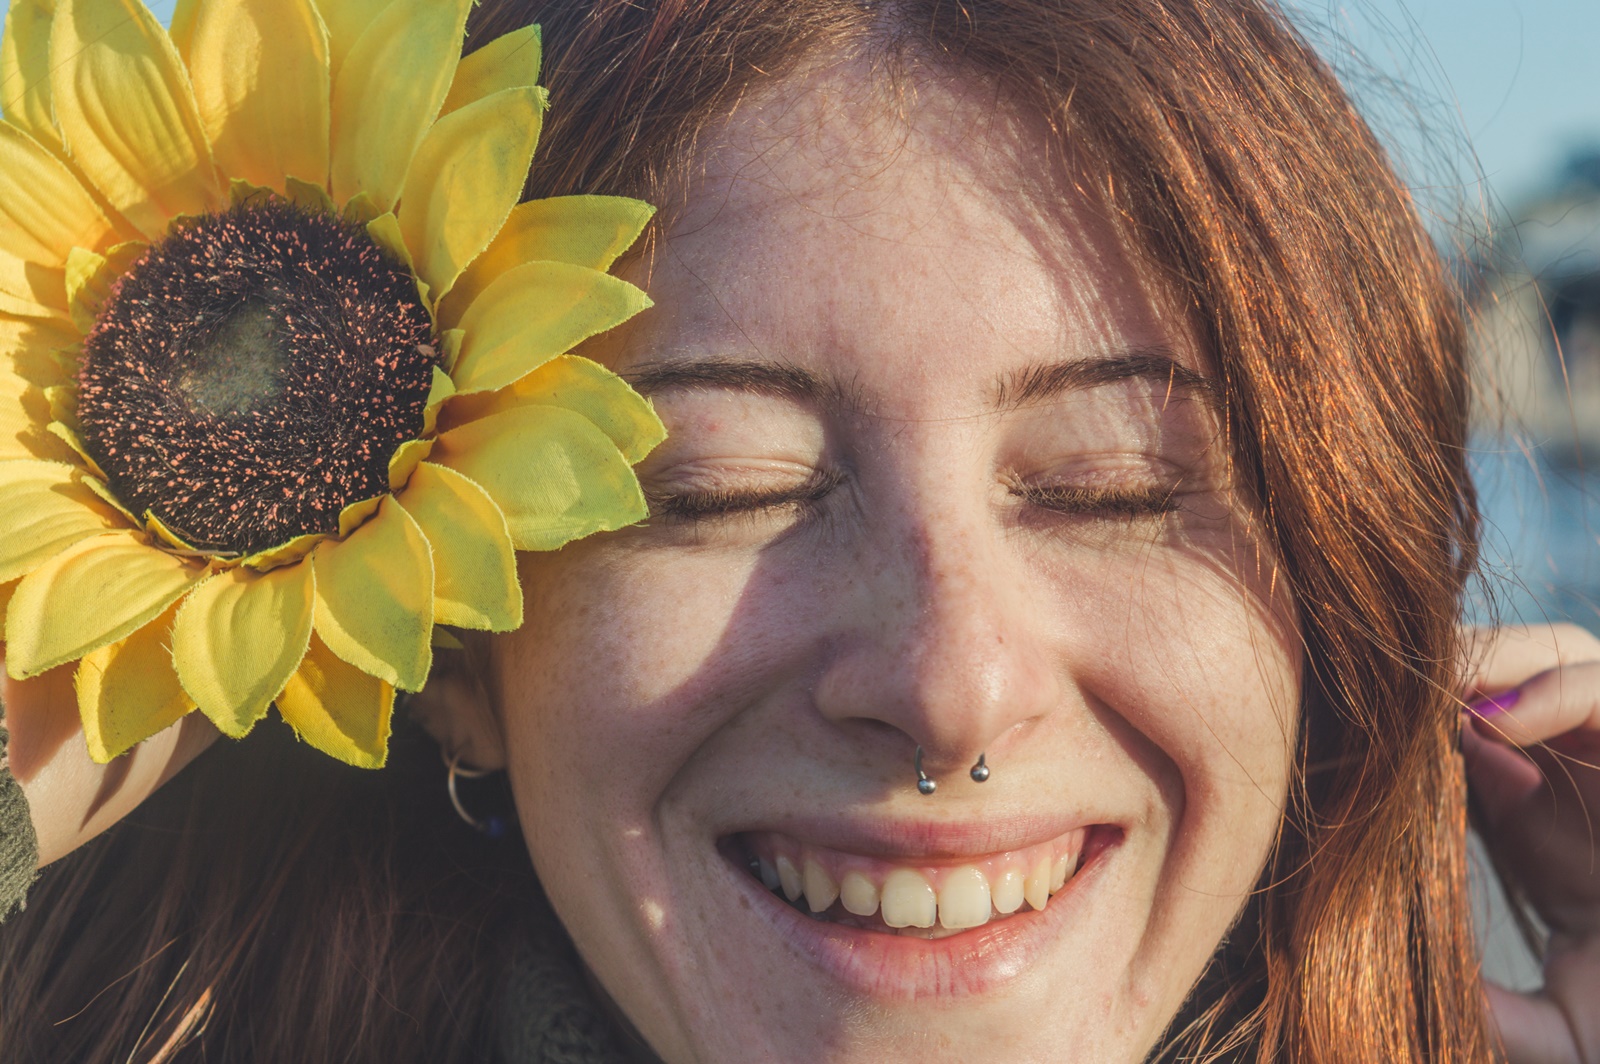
point(944, 647)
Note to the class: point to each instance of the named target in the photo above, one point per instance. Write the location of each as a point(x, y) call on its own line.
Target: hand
point(71, 798)
point(1534, 766)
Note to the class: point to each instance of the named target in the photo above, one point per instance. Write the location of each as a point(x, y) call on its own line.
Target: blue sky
point(1517, 79)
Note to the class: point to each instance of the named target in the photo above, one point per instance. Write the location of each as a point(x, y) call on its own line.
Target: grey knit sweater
point(19, 847)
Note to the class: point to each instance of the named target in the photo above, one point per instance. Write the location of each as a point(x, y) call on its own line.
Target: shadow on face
point(943, 471)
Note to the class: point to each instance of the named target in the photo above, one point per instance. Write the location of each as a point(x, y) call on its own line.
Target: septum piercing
point(927, 785)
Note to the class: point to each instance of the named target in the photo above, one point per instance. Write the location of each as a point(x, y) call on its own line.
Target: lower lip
point(902, 968)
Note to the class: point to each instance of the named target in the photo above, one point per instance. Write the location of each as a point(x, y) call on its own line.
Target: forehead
point(893, 230)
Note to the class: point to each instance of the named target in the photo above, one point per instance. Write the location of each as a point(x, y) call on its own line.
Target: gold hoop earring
point(495, 826)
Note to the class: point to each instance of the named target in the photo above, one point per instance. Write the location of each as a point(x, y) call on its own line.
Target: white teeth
point(789, 878)
point(1008, 891)
point(938, 900)
point(1036, 884)
point(1058, 872)
point(908, 900)
point(964, 898)
point(821, 890)
point(858, 895)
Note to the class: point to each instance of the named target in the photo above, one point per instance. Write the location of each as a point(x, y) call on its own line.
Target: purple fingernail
point(1489, 707)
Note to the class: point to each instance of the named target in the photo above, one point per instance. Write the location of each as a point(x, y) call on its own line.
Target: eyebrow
point(780, 380)
point(1043, 381)
point(1031, 384)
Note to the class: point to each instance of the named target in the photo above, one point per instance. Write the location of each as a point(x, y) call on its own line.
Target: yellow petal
point(94, 592)
point(449, 351)
point(44, 212)
point(16, 306)
point(29, 282)
point(90, 276)
point(24, 413)
point(375, 597)
point(534, 313)
point(40, 351)
point(185, 13)
point(339, 709)
point(127, 114)
point(309, 197)
point(260, 74)
point(355, 514)
point(63, 404)
point(25, 69)
point(474, 565)
point(508, 62)
point(584, 387)
point(98, 488)
point(552, 473)
point(466, 177)
point(388, 93)
point(158, 528)
point(44, 509)
point(128, 692)
point(582, 230)
point(283, 553)
point(441, 389)
point(385, 232)
point(239, 637)
point(404, 461)
point(70, 437)
point(347, 20)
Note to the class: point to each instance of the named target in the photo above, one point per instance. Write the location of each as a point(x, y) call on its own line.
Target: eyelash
point(1102, 502)
point(720, 502)
point(1071, 501)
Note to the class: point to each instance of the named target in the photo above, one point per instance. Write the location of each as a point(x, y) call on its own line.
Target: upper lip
point(927, 840)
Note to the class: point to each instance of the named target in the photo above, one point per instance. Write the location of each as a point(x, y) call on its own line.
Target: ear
point(455, 706)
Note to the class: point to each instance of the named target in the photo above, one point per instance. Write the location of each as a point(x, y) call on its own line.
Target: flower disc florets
point(253, 374)
point(234, 472)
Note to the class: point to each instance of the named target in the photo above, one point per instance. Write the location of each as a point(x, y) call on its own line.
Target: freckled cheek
point(1207, 674)
point(624, 669)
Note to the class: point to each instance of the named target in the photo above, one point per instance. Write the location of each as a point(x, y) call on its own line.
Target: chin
point(1028, 939)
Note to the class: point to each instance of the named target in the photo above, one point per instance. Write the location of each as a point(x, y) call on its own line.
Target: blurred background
point(1491, 110)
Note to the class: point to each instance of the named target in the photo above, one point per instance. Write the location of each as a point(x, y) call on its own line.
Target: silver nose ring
point(924, 784)
point(927, 785)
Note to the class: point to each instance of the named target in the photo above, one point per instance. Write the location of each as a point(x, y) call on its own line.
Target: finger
point(42, 715)
point(1502, 778)
point(1501, 658)
point(72, 799)
point(1553, 702)
point(1532, 1028)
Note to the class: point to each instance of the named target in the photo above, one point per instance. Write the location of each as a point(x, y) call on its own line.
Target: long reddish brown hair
point(267, 906)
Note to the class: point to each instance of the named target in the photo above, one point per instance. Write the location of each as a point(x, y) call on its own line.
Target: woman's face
point(942, 471)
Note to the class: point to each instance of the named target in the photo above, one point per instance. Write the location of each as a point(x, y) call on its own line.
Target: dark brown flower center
point(252, 375)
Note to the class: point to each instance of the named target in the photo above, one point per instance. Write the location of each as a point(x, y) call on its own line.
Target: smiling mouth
point(909, 898)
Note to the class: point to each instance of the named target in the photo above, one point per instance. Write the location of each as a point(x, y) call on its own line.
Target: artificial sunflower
point(283, 370)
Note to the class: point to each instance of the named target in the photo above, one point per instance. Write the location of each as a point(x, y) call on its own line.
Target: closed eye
point(1100, 502)
point(710, 503)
